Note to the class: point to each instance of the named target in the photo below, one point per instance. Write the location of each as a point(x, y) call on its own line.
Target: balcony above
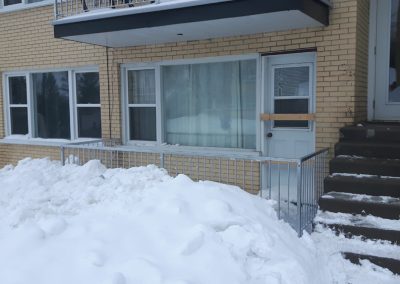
point(124, 23)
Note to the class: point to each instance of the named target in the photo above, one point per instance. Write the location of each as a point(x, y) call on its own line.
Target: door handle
point(269, 135)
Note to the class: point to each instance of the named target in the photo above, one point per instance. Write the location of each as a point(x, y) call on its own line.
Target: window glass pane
point(51, 105)
point(292, 81)
point(19, 120)
point(11, 2)
point(141, 87)
point(142, 123)
point(87, 88)
point(33, 1)
point(211, 104)
point(89, 122)
point(17, 90)
point(291, 106)
point(394, 71)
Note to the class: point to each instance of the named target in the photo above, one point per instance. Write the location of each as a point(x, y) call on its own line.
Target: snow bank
point(92, 225)
point(86, 224)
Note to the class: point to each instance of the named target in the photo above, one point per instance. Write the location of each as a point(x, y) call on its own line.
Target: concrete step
point(368, 166)
point(359, 184)
point(369, 132)
point(367, 227)
point(368, 149)
point(385, 262)
point(369, 233)
point(385, 207)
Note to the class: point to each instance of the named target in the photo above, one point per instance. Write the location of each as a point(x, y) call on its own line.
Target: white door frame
point(302, 58)
point(377, 47)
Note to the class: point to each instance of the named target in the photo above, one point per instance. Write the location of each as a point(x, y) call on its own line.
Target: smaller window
point(18, 105)
point(88, 105)
point(142, 105)
point(292, 94)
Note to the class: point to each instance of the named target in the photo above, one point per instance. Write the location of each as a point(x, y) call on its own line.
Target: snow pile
point(95, 225)
point(92, 225)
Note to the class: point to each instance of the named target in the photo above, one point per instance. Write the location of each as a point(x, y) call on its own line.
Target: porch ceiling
point(130, 27)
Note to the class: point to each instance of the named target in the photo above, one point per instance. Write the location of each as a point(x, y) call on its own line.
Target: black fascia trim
point(212, 11)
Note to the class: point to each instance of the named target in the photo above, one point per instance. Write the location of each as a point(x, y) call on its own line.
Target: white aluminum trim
point(32, 131)
point(159, 110)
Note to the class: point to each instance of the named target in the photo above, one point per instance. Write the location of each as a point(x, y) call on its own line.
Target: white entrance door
point(387, 59)
point(289, 88)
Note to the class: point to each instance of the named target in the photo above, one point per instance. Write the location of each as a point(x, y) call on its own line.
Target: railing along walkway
point(296, 184)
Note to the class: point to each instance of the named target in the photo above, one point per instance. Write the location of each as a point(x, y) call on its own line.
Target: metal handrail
point(67, 8)
point(296, 184)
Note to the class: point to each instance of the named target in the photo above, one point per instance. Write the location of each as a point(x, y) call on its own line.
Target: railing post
point(56, 9)
point(299, 202)
point(62, 156)
point(162, 160)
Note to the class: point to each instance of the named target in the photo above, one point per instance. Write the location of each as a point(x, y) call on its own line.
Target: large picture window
point(210, 104)
point(50, 105)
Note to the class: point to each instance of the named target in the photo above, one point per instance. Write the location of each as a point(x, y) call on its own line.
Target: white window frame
point(23, 5)
point(126, 105)
point(75, 100)
point(160, 126)
point(309, 97)
point(31, 122)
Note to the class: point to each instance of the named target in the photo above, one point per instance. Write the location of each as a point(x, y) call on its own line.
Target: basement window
point(53, 105)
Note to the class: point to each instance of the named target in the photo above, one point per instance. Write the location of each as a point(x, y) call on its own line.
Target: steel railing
point(295, 184)
point(67, 8)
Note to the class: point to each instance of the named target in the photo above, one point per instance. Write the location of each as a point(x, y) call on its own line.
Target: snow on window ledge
point(25, 140)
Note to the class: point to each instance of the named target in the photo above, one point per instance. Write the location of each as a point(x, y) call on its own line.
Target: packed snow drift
point(92, 225)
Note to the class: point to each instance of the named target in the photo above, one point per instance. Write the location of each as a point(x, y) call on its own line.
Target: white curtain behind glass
point(210, 105)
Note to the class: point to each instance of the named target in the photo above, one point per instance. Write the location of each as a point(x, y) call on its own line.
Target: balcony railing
point(67, 8)
point(295, 184)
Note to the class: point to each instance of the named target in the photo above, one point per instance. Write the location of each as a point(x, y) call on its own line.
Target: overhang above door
point(193, 20)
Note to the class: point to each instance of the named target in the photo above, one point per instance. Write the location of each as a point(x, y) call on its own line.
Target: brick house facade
point(27, 43)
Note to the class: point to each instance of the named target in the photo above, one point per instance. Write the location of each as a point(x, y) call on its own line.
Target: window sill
point(19, 7)
point(190, 150)
point(23, 140)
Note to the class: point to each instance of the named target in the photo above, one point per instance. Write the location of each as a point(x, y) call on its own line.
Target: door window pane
point(141, 87)
point(12, 2)
point(394, 71)
point(292, 81)
point(17, 90)
point(142, 123)
point(87, 88)
point(89, 122)
point(210, 104)
point(288, 107)
point(51, 105)
point(19, 120)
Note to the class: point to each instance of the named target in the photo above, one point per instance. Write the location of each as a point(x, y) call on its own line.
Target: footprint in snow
point(193, 243)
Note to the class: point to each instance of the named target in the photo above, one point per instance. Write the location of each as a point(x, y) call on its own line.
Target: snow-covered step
point(369, 227)
point(381, 206)
point(381, 253)
point(385, 262)
point(358, 245)
point(363, 184)
point(384, 150)
point(369, 166)
point(369, 132)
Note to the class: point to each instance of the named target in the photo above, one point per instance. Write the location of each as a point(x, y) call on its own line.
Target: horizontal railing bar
point(229, 156)
point(307, 157)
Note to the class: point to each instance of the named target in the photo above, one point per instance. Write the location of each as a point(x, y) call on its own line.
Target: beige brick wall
point(27, 42)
